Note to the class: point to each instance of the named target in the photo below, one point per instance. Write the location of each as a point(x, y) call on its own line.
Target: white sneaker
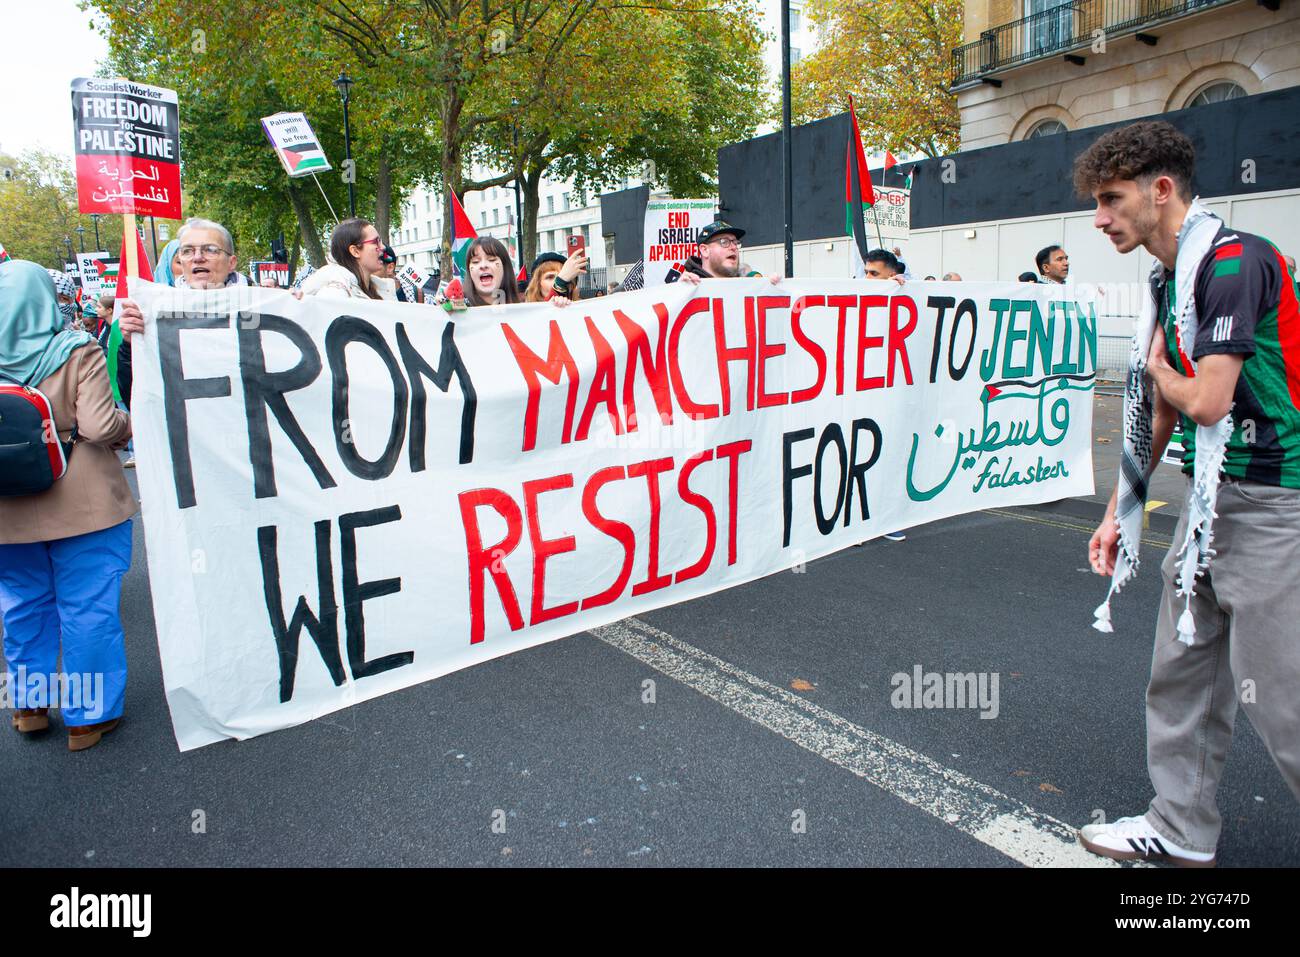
point(129, 463)
point(1134, 839)
point(895, 536)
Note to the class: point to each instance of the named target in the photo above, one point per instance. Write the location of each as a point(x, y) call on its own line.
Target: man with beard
point(719, 256)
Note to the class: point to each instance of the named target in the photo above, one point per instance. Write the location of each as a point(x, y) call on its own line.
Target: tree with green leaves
point(648, 91)
point(895, 57)
point(236, 63)
point(38, 211)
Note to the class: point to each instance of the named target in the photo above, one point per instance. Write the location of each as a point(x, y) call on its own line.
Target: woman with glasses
point(357, 269)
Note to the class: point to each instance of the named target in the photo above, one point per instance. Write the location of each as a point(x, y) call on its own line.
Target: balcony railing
point(1062, 29)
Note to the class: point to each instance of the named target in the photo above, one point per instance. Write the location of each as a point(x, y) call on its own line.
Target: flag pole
point(132, 250)
point(326, 198)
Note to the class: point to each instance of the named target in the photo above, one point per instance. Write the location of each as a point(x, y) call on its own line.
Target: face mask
point(69, 310)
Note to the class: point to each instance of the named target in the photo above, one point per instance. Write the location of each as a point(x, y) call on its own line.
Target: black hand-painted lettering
point(265, 390)
point(177, 390)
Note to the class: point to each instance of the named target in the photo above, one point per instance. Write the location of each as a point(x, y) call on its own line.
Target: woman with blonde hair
point(555, 279)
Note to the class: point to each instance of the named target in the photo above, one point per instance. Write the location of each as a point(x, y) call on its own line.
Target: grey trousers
point(1246, 651)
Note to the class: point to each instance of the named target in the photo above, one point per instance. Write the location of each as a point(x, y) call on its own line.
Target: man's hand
point(1104, 544)
point(130, 319)
point(1158, 354)
point(690, 279)
point(899, 278)
point(774, 278)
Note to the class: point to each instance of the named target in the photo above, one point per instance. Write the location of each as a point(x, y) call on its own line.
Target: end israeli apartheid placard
point(342, 499)
point(127, 144)
point(294, 142)
point(672, 232)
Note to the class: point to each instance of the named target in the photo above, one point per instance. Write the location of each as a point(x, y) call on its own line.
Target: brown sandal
point(28, 720)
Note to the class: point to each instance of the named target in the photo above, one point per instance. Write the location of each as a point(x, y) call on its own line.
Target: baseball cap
point(717, 228)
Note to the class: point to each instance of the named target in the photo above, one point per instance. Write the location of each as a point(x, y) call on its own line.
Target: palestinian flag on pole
point(462, 234)
point(859, 196)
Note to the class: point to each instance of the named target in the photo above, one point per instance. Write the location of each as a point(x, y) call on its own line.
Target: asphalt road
point(750, 754)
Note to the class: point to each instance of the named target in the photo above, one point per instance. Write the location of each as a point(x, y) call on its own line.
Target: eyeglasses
point(367, 242)
point(186, 253)
point(728, 243)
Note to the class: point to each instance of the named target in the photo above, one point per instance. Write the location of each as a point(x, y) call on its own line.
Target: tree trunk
point(532, 181)
point(293, 261)
point(306, 228)
point(452, 175)
point(384, 195)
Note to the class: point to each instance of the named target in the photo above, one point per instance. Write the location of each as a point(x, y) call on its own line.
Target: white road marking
point(991, 817)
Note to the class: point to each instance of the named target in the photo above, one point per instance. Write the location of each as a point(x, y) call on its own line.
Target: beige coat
point(93, 494)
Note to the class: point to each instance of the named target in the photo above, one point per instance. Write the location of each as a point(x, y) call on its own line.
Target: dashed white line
point(991, 817)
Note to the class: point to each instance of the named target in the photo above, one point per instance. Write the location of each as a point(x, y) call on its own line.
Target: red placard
point(127, 144)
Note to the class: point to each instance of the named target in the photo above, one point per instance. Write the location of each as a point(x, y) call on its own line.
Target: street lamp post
point(786, 150)
point(519, 209)
point(344, 85)
point(95, 217)
point(81, 236)
point(67, 241)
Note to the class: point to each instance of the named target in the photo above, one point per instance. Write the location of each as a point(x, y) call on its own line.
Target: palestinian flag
point(462, 234)
point(107, 269)
point(859, 195)
point(303, 158)
point(4, 256)
point(119, 277)
point(890, 162)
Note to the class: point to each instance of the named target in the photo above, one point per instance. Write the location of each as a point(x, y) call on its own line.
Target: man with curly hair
point(1219, 345)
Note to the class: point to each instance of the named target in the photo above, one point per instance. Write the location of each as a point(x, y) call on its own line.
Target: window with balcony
point(1052, 30)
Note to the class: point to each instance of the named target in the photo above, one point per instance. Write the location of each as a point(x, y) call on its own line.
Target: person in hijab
point(167, 268)
point(89, 314)
point(65, 291)
point(63, 551)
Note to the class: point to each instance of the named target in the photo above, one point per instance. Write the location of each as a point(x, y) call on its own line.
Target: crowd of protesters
point(65, 543)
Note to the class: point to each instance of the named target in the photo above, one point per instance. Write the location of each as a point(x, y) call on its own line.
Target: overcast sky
point(44, 46)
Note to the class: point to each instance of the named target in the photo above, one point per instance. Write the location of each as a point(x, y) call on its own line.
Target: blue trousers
point(67, 592)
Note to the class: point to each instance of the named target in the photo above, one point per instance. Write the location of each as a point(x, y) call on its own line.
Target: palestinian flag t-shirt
point(1247, 305)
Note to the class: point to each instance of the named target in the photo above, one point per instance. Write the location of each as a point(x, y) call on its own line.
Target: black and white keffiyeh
point(635, 278)
point(1194, 240)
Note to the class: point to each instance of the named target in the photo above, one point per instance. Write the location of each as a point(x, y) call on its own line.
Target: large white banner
point(346, 498)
